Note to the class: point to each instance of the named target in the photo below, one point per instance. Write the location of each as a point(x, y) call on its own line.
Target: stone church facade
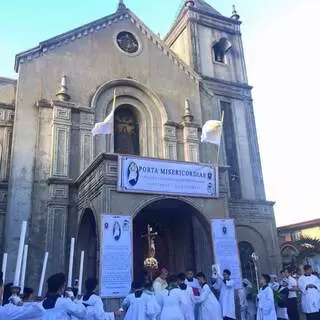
point(60, 179)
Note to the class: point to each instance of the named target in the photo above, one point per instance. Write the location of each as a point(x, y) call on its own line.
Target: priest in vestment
point(209, 306)
point(309, 286)
point(58, 307)
point(226, 299)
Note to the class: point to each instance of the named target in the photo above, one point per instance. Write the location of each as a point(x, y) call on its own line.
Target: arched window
point(247, 266)
point(220, 50)
point(126, 131)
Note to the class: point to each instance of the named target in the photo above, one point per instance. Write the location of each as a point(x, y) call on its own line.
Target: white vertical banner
point(225, 247)
point(116, 260)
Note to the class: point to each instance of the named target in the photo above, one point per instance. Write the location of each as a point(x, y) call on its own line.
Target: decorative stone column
point(170, 138)
point(86, 141)
point(190, 135)
point(59, 179)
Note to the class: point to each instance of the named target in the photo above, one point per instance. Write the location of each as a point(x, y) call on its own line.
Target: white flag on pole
point(105, 127)
point(211, 132)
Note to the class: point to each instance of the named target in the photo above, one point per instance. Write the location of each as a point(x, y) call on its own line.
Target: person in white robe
point(94, 304)
point(171, 300)
point(135, 304)
point(209, 306)
point(160, 283)
point(192, 282)
point(187, 298)
point(58, 307)
point(25, 312)
point(12, 312)
point(153, 308)
point(266, 305)
point(227, 297)
point(309, 286)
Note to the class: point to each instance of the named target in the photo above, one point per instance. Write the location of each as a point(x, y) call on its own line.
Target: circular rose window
point(127, 42)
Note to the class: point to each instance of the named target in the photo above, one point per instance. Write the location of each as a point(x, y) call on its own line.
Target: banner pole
point(220, 138)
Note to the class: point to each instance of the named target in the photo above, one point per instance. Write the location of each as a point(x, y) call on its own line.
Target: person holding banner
point(209, 305)
point(58, 307)
point(226, 299)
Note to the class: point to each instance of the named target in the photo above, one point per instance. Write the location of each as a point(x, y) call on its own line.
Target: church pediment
point(122, 14)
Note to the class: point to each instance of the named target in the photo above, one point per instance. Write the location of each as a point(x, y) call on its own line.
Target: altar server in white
point(171, 301)
point(187, 298)
point(153, 308)
point(94, 304)
point(309, 286)
point(226, 299)
point(28, 312)
point(209, 306)
point(266, 305)
point(58, 307)
point(135, 304)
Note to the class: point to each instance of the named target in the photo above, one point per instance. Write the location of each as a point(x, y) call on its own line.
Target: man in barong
point(58, 307)
point(309, 286)
point(226, 299)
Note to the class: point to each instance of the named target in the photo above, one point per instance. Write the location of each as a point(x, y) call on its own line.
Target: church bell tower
point(211, 44)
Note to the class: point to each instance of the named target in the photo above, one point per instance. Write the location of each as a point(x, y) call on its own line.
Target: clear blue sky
point(282, 52)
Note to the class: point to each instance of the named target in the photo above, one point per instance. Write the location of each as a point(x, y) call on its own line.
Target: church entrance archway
point(88, 241)
point(183, 239)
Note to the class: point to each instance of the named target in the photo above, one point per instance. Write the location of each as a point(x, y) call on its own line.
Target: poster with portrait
point(225, 247)
point(115, 256)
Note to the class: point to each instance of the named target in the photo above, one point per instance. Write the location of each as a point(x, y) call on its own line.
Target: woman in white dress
point(188, 298)
point(171, 300)
point(209, 306)
point(266, 305)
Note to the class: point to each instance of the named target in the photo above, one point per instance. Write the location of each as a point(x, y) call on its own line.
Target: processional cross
point(150, 238)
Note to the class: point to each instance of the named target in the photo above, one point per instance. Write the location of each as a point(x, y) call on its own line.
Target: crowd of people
point(185, 296)
point(295, 292)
